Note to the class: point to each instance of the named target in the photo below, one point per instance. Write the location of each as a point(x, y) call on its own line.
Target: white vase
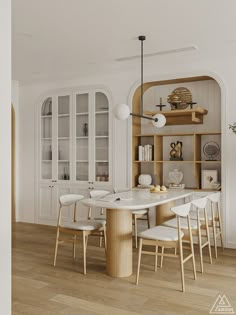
point(175, 177)
point(145, 179)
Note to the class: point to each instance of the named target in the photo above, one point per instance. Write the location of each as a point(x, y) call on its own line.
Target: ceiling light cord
point(141, 38)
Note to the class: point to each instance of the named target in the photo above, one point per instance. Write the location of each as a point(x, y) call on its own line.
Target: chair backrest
point(215, 197)
point(182, 210)
point(70, 199)
point(98, 193)
point(200, 203)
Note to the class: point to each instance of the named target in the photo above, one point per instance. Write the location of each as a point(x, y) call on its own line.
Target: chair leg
point(148, 219)
point(156, 258)
point(74, 246)
point(193, 257)
point(214, 238)
point(105, 238)
point(208, 235)
point(214, 230)
point(100, 241)
point(181, 265)
point(221, 229)
point(136, 231)
point(56, 248)
point(139, 259)
point(86, 241)
point(162, 253)
point(200, 249)
point(84, 250)
point(209, 243)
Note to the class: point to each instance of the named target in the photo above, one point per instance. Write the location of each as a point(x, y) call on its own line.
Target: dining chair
point(199, 224)
point(215, 221)
point(168, 237)
point(77, 228)
point(97, 194)
point(141, 214)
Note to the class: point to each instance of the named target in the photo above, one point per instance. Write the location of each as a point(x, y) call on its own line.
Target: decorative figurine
point(176, 151)
point(85, 129)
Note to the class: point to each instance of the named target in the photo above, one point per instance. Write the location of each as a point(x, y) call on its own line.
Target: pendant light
point(122, 111)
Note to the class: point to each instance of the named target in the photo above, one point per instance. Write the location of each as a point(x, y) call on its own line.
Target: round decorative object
point(161, 120)
point(180, 98)
point(211, 150)
point(175, 177)
point(121, 111)
point(145, 179)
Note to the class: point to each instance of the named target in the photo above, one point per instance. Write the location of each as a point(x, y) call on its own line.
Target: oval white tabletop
point(136, 199)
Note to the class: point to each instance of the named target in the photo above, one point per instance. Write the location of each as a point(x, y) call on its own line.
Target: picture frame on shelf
point(209, 179)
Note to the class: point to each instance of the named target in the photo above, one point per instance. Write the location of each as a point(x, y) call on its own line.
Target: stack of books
point(145, 152)
point(176, 186)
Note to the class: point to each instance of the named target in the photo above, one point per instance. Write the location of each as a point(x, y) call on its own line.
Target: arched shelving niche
point(194, 134)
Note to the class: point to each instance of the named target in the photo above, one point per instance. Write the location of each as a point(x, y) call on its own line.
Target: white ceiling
point(65, 39)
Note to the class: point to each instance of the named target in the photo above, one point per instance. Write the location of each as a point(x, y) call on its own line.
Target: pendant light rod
point(122, 111)
point(142, 116)
point(141, 38)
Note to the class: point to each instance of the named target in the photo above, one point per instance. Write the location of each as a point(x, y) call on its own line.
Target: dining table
point(119, 207)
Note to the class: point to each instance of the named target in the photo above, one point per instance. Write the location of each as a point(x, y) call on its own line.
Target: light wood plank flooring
point(39, 288)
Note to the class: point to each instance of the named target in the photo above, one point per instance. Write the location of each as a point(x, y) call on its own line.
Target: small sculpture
point(85, 129)
point(176, 151)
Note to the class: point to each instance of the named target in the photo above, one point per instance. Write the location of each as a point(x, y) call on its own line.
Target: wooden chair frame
point(202, 225)
point(96, 194)
point(75, 233)
point(216, 222)
point(177, 245)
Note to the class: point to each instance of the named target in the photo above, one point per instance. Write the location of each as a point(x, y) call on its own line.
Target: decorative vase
point(145, 179)
point(175, 177)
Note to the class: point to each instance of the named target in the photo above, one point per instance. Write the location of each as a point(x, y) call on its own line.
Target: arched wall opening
point(210, 125)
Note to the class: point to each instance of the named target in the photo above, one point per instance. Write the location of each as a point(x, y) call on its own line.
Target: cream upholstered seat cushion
point(183, 223)
point(85, 225)
point(160, 233)
point(141, 211)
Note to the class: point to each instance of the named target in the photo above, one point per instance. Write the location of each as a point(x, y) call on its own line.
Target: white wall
point(15, 104)
point(5, 165)
point(122, 86)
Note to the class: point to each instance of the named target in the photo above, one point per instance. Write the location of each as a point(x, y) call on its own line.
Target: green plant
point(233, 127)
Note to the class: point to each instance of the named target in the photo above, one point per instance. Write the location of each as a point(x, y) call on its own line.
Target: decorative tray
point(158, 192)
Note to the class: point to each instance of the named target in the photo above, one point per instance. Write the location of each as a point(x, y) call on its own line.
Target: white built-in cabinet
point(73, 148)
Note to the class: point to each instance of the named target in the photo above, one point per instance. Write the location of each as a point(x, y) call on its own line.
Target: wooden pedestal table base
point(119, 242)
point(163, 212)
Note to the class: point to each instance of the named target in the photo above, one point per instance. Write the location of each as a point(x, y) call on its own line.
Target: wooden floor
point(39, 288)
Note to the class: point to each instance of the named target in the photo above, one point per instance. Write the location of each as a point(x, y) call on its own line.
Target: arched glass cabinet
point(74, 146)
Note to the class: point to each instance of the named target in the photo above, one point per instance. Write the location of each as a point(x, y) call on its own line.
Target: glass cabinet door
point(63, 137)
point(82, 137)
point(101, 137)
point(46, 139)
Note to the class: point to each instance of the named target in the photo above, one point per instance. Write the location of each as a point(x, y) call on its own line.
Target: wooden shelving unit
point(194, 161)
point(192, 150)
point(182, 116)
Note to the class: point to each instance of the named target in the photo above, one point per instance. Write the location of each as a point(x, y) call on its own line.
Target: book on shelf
point(145, 152)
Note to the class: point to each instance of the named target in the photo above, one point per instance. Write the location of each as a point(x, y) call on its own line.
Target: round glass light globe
point(121, 111)
point(161, 120)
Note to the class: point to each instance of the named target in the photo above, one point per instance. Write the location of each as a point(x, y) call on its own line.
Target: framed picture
point(209, 179)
